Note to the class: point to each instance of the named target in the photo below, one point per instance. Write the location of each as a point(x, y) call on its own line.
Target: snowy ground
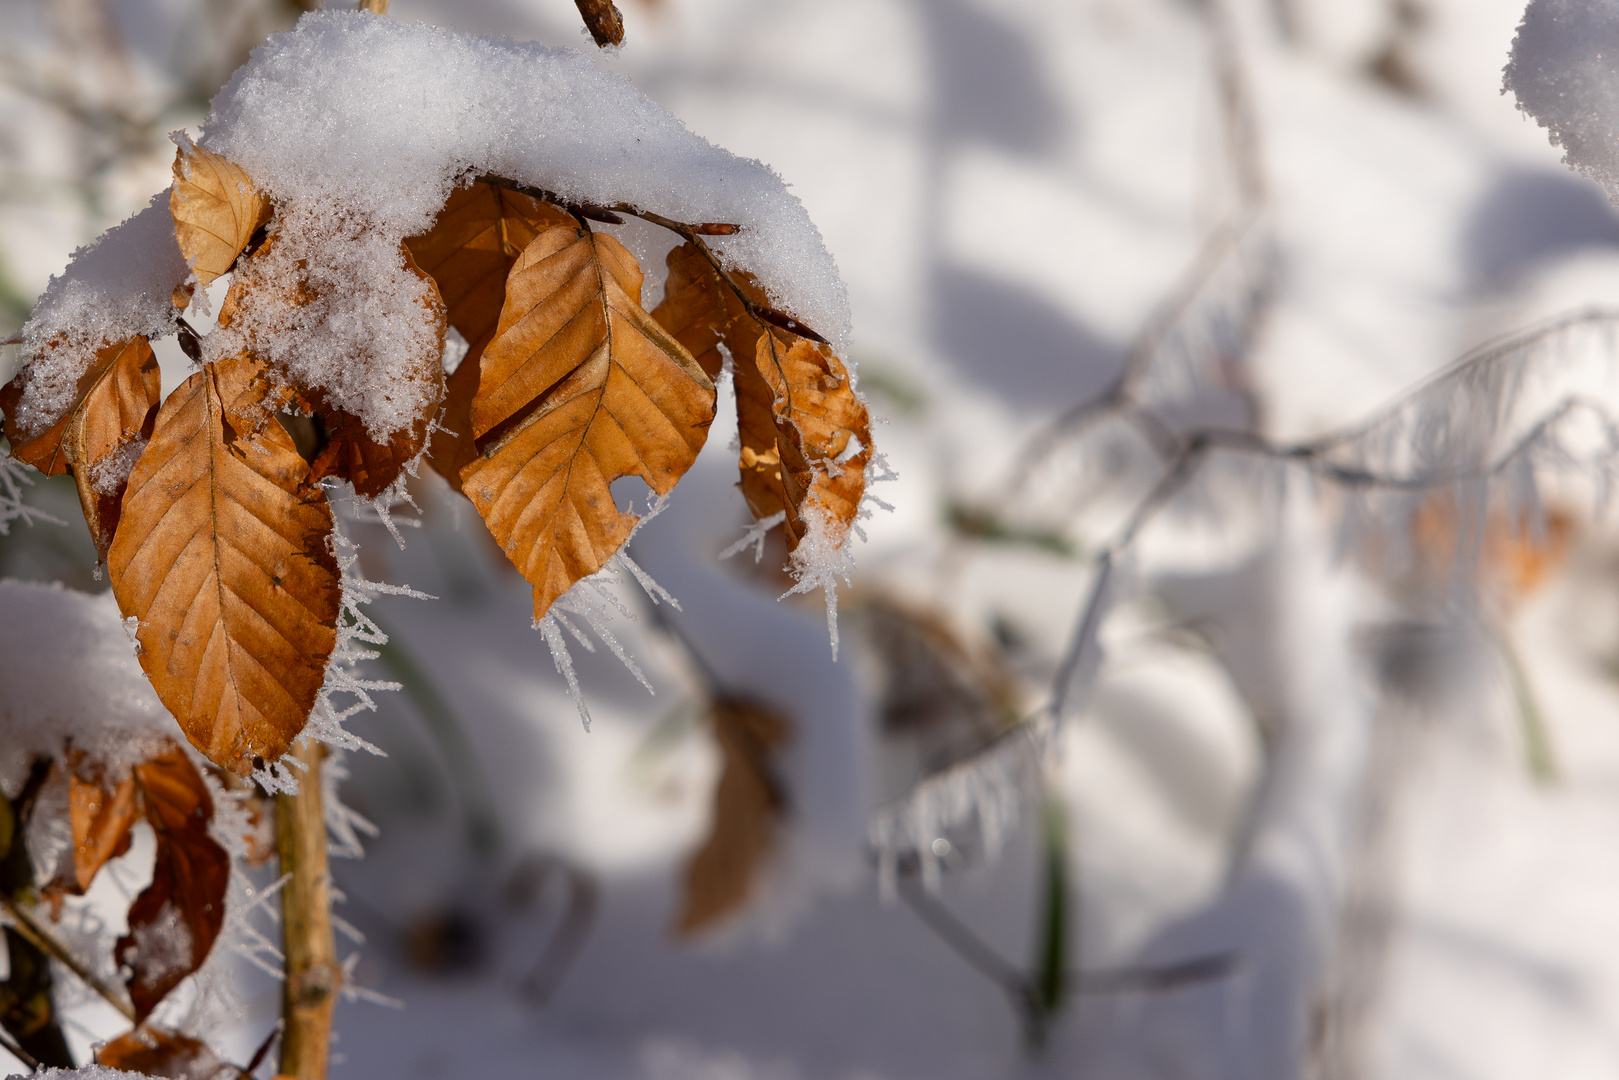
point(1009, 191)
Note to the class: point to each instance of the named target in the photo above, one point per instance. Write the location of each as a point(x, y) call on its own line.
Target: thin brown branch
point(36, 934)
point(9, 1045)
point(602, 19)
point(313, 975)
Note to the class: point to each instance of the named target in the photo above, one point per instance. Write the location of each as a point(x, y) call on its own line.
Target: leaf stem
point(692, 234)
point(30, 928)
point(313, 974)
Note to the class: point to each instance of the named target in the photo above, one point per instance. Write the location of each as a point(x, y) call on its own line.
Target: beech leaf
point(823, 437)
point(469, 252)
point(223, 556)
point(113, 410)
point(174, 921)
point(579, 388)
point(748, 808)
point(804, 434)
point(216, 210)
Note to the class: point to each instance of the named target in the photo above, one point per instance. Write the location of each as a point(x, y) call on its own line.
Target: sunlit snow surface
point(1009, 189)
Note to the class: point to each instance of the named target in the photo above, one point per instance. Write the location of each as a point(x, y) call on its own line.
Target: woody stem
point(313, 975)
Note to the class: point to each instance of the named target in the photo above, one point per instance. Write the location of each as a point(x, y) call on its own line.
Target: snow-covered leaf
point(98, 437)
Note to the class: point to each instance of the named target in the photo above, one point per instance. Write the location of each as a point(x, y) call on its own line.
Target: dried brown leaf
point(223, 557)
point(748, 808)
point(216, 210)
point(823, 436)
point(174, 921)
point(579, 388)
point(156, 1051)
point(469, 252)
point(113, 410)
point(805, 434)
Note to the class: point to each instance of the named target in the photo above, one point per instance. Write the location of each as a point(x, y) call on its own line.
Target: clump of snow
point(68, 671)
point(164, 945)
point(1565, 73)
point(358, 326)
point(118, 287)
point(386, 117)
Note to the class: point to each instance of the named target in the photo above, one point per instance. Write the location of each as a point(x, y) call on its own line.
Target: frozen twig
point(313, 976)
point(31, 929)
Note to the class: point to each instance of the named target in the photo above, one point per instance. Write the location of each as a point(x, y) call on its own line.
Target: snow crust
point(118, 287)
point(68, 670)
point(1565, 73)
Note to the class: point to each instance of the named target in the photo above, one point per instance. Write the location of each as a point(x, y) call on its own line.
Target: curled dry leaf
point(579, 388)
point(156, 1051)
point(469, 252)
point(805, 434)
point(174, 921)
point(101, 434)
point(748, 808)
point(823, 437)
point(216, 210)
point(224, 557)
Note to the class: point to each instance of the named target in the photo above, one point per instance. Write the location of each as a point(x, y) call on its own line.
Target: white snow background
point(1009, 190)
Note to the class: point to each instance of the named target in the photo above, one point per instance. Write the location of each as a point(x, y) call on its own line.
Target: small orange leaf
point(469, 252)
point(579, 388)
point(155, 1051)
point(748, 808)
point(216, 210)
point(101, 818)
point(223, 557)
point(174, 921)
